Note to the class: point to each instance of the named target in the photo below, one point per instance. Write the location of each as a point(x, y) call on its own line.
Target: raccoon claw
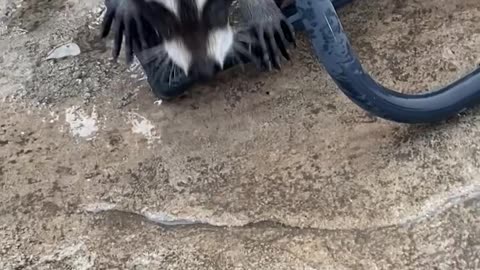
point(125, 18)
point(273, 38)
point(244, 48)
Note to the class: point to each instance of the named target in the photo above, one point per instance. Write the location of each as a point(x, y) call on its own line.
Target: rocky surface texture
point(251, 171)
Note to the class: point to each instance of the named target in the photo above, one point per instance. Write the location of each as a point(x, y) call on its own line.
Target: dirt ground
point(252, 171)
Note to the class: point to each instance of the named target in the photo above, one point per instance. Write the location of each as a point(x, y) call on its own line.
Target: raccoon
point(198, 35)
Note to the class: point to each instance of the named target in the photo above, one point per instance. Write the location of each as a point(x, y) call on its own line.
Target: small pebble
point(66, 50)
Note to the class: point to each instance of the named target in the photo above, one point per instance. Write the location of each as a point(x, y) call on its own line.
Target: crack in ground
point(431, 210)
point(188, 224)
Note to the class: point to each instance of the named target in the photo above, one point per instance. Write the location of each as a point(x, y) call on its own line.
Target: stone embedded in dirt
point(65, 50)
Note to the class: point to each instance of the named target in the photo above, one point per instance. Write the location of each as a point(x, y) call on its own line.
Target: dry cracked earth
point(251, 171)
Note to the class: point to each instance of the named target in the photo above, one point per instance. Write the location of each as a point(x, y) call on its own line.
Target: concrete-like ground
point(253, 171)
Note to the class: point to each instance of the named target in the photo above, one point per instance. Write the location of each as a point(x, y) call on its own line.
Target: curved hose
point(334, 51)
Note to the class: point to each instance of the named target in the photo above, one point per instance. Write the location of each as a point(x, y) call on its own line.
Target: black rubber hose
point(334, 51)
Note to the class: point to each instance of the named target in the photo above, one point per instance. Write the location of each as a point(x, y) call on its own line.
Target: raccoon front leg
point(270, 27)
point(133, 19)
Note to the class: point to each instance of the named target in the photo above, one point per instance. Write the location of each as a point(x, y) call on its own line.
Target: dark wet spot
point(50, 209)
point(315, 111)
point(65, 171)
point(331, 107)
point(115, 139)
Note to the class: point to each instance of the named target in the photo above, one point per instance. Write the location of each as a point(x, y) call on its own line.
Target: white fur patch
point(220, 43)
point(178, 52)
point(200, 5)
point(171, 5)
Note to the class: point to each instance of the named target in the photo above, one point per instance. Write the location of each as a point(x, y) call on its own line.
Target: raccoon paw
point(129, 19)
point(273, 34)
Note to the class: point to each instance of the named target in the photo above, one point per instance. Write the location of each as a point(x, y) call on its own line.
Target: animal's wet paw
point(129, 21)
point(273, 36)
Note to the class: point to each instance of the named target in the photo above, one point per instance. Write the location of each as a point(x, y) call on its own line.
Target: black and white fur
point(196, 35)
